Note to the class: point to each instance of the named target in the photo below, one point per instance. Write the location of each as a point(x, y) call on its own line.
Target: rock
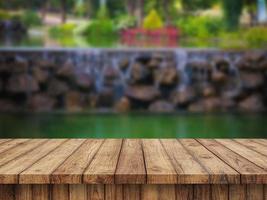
point(22, 83)
point(211, 104)
point(84, 81)
point(110, 74)
point(196, 107)
point(1, 85)
point(40, 75)
point(184, 97)
point(20, 65)
point(252, 80)
point(154, 63)
point(140, 74)
point(161, 106)
point(252, 103)
point(67, 71)
point(123, 105)
point(263, 65)
point(124, 64)
point(200, 70)
point(251, 61)
point(105, 98)
point(74, 101)
point(208, 91)
point(45, 64)
point(56, 87)
point(142, 93)
point(7, 106)
point(167, 76)
point(219, 77)
point(42, 103)
point(228, 104)
point(222, 65)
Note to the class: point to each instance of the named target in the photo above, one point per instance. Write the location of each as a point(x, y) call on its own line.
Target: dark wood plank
point(255, 192)
point(60, 192)
point(158, 166)
point(202, 192)
point(131, 192)
point(96, 192)
point(71, 171)
point(114, 192)
point(41, 192)
point(131, 167)
point(250, 173)
point(23, 192)
point(247, 153)
point(220, 172)
point(189, 171)
point(184, 192)
point(103, 166)
point(39, 172)
point(78, 192)
point(7, 192)
point(237, 192)
point(219, 192)
point(10, 171)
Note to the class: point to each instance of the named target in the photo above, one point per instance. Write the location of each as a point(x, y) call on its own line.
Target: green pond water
point(133, 125)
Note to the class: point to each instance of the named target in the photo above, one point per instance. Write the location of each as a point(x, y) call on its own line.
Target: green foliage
point(104, 27)
point(30, 19)
point(200, 26)
point(125, 21)
point(102, 13)
point(62, 30)
point(192, 5)
point(256, 37)
point(152, 21)
point(232, 11)
point(4, 15)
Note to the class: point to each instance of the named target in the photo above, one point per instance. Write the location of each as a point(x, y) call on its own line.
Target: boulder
point(20, 65)
point(252, 80)
point(154, 63)
point(208, 91)
point(184, 97)
point(251, 61)
point(161, 106)
point(253, 103)
point(124, 64)
point(22, 83)
point(123, 105)
point(222, 65)
point(42, 103)
point(199, 70)
point(110, 74)
point(84, 81)
point(219, 77)
point(211, 104)
point(67, 71)
point(139, 73)
point(167, 76)
point(41, 75)
point(142, 93)
point(7, 106)
point(56, 87)
point(105, 98)
point(75, 101)
point(45, 64)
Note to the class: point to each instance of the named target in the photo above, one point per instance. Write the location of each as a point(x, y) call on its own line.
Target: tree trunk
point(139, 12)
point(63, 11)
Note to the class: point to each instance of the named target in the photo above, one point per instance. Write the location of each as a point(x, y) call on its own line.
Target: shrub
point(152, 21)
point(4, 15)
point(256, 37)
point(125, 21)
point(62, 30)
point(102, 13)
point(30, 19)
point(104, 27)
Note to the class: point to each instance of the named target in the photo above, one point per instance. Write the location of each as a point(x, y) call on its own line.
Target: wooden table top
point(133, 161)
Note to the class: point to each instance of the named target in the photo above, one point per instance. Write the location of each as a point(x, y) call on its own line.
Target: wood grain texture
point(131, 192)
point(158, 165)
point(250, 173)
point(189, 171)
point(9, 172)
point(23, 192)
point(78, 192)
point(131, 167)
point(70, 172)
point(219, 171)
point(254, 145)
point(39, 172)
point(247, 153)
point(103, 166)
point(237, 192)
point(96, 192)
point(10, 144)
point(41, 192)
point(114, 192)
point(184, 192)
point(265, 192)
point(4, 140)
point(60, 192)
point(202, 192)
point(7, 192)
point(219, 192)
point(255, 192)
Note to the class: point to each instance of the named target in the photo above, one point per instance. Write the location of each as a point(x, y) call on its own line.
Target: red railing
point(168, 36)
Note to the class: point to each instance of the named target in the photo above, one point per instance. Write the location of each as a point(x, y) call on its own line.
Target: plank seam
point(116, 168)
point(14, 146)
point(250, 147)
point(144, 159)
point(8, 140)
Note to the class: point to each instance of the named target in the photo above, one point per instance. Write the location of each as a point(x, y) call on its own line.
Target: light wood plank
point(252, 144)
point(160, 192)
point(220, 172)
point(7, 192)
point(103, 166)
point(39, 172)
point(202, 192)
point(12, 143)
point(237, 192)
point(78, 192)
point(19, 150)
point(250, 173)
point(60, 192)
point(10, 171)
point(219, 192)
point(71, 171)
point(41, 192)
point(96, 192)
point(188, 169)
point(261, 141)
point(23, 192)
point(184, 192)
point(131, 167)
point(255, 192)
point(114, 192)
point(158, 166)
point(131, 192)
point(4, 140)
point(247, 153)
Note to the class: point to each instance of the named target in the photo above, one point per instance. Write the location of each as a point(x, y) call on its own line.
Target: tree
point(232, 11)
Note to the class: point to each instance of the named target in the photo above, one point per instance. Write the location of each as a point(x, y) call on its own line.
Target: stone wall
point(75, 80)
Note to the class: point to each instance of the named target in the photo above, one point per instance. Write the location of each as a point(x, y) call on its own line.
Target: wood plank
point(184, 192)
point(247, 153)
point(96, 192)
point(19, 150)
point(103, 166)
point(10, 171)
point(7, 192)
point(10, 144)
point(113, 192)
point(252, 144)
point(60, 192)
point(188, 169)
point(202, 192)
point(158, 166)
point(250, 173)
point(23, 192)
point(265, 192)
point(219, 192)
point(131, 167)
point(70, 172)
point(255, 192)
point(237, 192)
point(78, 192)
point(4, 140)
point(160, 192)
point(39, 172)
point(131, 192)
point(261, 141)
point(220, 172)
point(41, 192)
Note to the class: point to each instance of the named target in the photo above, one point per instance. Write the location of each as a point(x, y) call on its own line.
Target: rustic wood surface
point(136, 161)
